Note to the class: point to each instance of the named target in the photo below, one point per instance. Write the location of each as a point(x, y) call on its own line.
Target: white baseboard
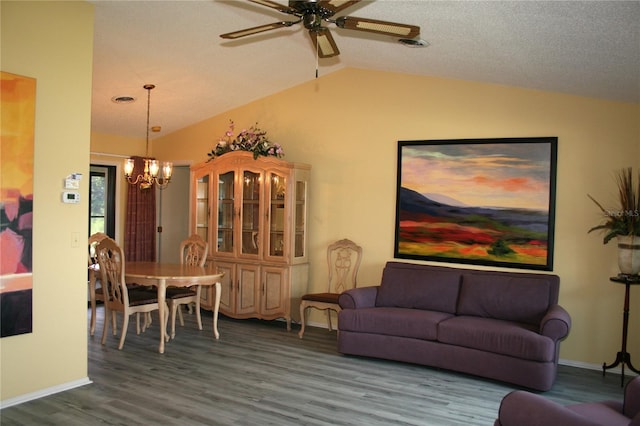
point(44, 392)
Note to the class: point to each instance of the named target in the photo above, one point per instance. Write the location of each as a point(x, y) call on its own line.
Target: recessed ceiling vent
point(123, 99)
point(412, 42)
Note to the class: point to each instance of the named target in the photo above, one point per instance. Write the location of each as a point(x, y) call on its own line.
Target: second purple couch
point(505, 326)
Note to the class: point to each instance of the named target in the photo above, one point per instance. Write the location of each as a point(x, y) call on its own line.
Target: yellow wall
point(53, 43)
point(347, 124)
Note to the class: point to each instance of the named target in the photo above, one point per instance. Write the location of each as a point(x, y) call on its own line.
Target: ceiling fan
point(312, 12)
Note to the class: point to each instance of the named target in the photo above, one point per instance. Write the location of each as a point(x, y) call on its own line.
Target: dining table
point(162, 275)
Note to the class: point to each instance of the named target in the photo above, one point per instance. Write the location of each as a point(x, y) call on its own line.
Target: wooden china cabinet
point(253, 214)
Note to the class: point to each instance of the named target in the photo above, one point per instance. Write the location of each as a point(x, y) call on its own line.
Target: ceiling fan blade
point(256, 30)
point(337, 5)
point(323, 42)
point(272, 4)
point(380, 27)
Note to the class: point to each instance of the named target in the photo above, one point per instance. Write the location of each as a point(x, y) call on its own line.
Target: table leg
point(623, 357)
point(216, 307)
point(162, 296)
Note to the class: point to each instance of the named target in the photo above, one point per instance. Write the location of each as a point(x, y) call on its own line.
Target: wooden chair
point(117, 296)
point(343, 259)
point(193, 251)
point(95, 293)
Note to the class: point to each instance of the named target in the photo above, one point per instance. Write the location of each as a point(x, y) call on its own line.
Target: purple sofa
point(505, 326)
point(520, 408)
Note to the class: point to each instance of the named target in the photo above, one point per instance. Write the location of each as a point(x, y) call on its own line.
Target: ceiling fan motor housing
point(312, 21)
point(311, 8)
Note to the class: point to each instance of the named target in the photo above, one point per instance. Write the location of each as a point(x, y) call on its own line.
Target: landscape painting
point(477, 201)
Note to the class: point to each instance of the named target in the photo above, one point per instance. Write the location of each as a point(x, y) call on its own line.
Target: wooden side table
point(623, 357)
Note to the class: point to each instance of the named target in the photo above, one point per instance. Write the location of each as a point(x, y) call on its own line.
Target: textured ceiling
point(585, 48)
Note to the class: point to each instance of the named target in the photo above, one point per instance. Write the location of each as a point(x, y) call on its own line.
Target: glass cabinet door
point(300, 226)
point(225, 212)
point(202, 207)
point(276, 205)
point(250, 213)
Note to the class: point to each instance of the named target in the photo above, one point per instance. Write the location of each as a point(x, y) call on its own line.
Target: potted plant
point(623, 222)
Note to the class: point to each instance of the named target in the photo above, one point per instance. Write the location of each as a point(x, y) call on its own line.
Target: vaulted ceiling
point(587, 48)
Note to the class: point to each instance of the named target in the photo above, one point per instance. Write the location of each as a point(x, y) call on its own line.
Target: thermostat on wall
point(71, 197)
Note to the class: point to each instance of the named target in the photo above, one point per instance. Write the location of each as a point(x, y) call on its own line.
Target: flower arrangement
point(253, 140)
point(625, 219)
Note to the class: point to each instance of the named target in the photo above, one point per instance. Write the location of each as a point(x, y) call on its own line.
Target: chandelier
point(151, 166)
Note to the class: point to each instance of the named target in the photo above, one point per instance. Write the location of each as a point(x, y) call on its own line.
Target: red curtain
point(140, 233)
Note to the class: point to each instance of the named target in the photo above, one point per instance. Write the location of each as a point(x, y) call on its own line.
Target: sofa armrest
point(556, 323)
point(521, 408)
point(632, 399)
point(360, 297)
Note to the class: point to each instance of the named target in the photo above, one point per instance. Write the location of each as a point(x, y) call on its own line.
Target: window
point(102, 194)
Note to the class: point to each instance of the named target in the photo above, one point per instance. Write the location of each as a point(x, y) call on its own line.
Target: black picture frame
point(477, 201)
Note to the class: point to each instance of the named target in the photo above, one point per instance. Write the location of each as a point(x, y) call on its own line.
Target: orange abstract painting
point(16, 203)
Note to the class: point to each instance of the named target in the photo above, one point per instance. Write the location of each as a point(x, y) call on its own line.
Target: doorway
point(172, 215)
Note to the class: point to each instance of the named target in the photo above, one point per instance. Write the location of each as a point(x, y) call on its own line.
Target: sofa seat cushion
point(411, 286)
point(400, 322)
point(497, 336)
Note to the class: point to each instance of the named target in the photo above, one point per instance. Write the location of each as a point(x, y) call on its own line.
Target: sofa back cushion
point(406, 285)
point(524, 298)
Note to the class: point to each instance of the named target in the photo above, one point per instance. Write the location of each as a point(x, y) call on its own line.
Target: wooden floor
point(260, 374)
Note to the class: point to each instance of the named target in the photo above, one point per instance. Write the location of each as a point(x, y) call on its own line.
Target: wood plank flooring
point(260, 374)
